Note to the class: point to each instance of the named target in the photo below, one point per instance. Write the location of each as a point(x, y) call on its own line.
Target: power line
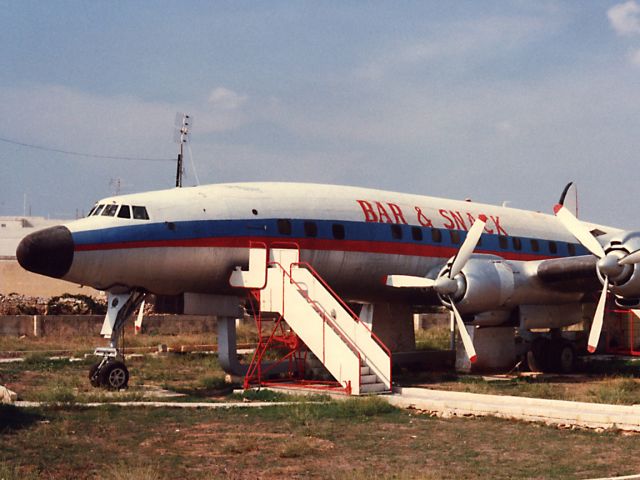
point(80, 154)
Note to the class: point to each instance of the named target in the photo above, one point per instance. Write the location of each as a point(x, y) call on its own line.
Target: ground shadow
point(13, 418)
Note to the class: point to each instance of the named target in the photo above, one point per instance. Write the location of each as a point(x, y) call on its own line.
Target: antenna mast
point(183, 124)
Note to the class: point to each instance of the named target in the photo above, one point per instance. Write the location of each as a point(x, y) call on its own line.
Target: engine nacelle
point(490, 283)
point(485, 283)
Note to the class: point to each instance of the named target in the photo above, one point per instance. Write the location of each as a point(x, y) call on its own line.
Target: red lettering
point(449, 223)
point(457, 217)
point(422, 219)
point(383, 213)
point(486, 227)
point(482, 216)
point(367, 209)
point(470, 218)
point(397, 213)
point(500, 230)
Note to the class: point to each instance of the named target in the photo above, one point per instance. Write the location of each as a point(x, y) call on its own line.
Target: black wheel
point(564, 357)
point(114, 375)
point(538, 356)
point(94, 377)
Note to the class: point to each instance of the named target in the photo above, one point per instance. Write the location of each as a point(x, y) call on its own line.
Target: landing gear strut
point(111, 372)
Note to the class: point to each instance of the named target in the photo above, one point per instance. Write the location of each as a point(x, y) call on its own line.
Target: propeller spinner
point(446, 285)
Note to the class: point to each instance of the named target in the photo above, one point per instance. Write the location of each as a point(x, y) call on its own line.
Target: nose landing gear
point(111, 372)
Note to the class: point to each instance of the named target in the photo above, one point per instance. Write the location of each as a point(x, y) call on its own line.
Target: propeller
point(609, 265)
point(446, 284)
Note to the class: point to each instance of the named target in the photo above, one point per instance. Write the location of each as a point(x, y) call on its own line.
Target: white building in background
point(13, 229)
point(13, 278)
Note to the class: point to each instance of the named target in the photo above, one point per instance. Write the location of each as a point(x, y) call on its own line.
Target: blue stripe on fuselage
point(268, 229)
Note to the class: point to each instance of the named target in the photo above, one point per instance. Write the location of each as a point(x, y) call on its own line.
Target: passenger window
point(553, 246)
point(109, 210)
point(310, 229)
point(98, 210)
point(535, 246)
point(140, 213)
point(572, 249)
point(517, 243)
point(396, 232)
point(338, 231)
point(455, 236)
point(416, 234)
point(125, 212)
point(436, 235)
point(284, 227)
point(503, 242)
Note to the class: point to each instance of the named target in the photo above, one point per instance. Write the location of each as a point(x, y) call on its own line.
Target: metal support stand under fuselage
point(110, 372)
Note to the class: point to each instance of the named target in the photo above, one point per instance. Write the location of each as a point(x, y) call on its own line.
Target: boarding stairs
point(345, 345)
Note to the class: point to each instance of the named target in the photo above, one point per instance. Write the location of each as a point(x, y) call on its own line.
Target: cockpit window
point(140, 213)
point(92, 210)
point(124, 212)
point(98, 210)
point(109, 211)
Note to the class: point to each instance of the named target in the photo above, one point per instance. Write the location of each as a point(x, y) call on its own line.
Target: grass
point(9, 471)
point(359, 438)
point(134, 471)
point(436, 337)
point(86, 344)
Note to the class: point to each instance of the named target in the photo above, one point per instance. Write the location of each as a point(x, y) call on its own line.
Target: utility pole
point(183, 124)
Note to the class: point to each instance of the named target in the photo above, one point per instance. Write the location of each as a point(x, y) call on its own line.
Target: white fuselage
point(194, 237)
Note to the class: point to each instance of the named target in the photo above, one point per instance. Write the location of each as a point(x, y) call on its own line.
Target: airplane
point(489, 265)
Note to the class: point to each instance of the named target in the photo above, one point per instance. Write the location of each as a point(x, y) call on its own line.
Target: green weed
point(16, 471)
point(125, 471)
point(436, 337)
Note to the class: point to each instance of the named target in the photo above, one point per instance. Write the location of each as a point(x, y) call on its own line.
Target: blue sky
point(504, 100)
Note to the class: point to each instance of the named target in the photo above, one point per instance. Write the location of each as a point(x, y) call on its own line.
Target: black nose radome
point(48, 252)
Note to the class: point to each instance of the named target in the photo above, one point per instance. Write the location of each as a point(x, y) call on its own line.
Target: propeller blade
point(464, 335)
point(408, 281)
point(596, 325)
point(578, 230)
point(468, 246)
point(633, 257)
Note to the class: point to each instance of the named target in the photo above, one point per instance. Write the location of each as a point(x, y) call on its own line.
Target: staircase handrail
point(327, 318)
point(343, 304)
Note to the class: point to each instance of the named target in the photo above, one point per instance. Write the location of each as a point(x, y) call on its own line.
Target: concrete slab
point(552, 412)
point(211, 405)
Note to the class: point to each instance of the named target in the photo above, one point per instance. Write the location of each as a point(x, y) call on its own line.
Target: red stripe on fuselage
point(388, 248)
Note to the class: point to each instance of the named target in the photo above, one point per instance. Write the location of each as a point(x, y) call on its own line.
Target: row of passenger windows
point(418, 235)
point(121, 211)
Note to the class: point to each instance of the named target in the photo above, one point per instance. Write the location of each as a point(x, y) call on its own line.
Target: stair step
point(372, 388)
point(372, 378)
point(365, 370)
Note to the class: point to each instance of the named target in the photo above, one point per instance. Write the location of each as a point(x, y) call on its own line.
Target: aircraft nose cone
point(47, 252)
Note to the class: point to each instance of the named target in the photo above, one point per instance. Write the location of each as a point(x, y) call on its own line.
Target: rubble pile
point(67, 304)
point(16, 304)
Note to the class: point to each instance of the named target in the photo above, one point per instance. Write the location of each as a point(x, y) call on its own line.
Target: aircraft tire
point(538, 356)
point(114, 376)
point(564, 356)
